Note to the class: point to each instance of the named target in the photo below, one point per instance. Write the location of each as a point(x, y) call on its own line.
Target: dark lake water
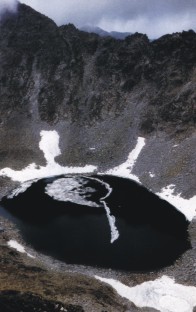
point(66, 217)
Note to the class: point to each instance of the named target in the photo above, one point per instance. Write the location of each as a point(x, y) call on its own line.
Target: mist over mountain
point(154, 18)
point(7, 6)
point(99, 31)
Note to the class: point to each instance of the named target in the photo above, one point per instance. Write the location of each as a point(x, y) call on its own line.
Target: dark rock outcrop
point(27, 302)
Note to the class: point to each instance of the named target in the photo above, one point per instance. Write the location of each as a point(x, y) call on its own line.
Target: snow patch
point(162, 294)
point(15, 245)
point(124, 170)
point(186, 206)
point(49, 144)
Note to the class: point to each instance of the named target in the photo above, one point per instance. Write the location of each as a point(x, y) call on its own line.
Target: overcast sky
point(154, 17)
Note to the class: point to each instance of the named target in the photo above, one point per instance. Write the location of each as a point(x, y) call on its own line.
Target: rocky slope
point(96, 91)
point(100, 93)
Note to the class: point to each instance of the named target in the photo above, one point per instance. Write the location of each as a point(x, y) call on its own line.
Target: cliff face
point(98, 92)
point(83, 73)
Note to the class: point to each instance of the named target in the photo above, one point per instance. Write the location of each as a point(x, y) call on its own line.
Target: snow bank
point(186, 206)
point(124, 170)
point(49, 144)
point(162, 294)
point(15, 245)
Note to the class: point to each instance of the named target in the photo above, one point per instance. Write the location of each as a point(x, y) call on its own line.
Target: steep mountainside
point(98, 92)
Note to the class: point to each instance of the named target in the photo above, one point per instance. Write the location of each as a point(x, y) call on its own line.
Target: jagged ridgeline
point(61, 73)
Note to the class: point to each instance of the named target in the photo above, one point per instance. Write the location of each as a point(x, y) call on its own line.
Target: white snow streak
point(124, 170)
point(186, 206)
point(162, 294)
point(15, 245)
point(111, 219)
point(49, 144)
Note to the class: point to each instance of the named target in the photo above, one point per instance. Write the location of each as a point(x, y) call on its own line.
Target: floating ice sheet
point(71, 189)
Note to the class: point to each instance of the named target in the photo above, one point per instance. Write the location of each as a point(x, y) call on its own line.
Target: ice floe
point(71, 190)
point(111, 219)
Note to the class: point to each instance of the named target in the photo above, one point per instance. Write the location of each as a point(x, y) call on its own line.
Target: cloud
point(7, 5)
point(154, 17)
point(155, 29)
